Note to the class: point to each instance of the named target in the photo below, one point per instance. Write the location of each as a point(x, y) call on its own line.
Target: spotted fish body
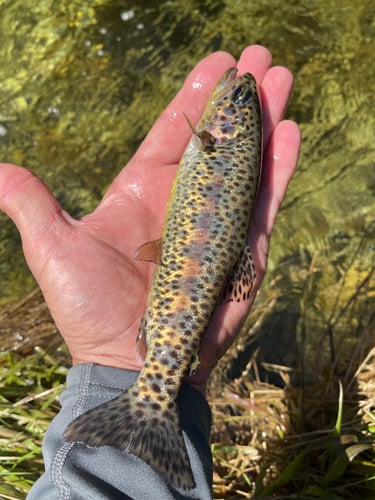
point(203, 258)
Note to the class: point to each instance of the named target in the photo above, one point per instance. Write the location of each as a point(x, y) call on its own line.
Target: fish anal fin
point(128, 423)
point(195, 362)
point(141, 342)
point(150, 251)
point(242, 280)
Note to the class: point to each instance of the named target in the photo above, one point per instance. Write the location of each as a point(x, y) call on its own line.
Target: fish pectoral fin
point(205, 139)
point(242, 279)
point(191, 124)
point(150, 251)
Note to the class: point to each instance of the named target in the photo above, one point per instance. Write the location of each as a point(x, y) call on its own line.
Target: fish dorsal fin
point(206, 140)
point(150, 251)
point(242, 279)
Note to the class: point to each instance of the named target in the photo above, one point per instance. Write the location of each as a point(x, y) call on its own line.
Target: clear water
point(82, 82)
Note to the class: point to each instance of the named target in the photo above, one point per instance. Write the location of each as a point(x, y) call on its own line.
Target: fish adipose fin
point(242, 279)
point(129, 423)
point(150, 251)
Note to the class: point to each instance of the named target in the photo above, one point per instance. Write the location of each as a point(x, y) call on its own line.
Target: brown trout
point(203, 258)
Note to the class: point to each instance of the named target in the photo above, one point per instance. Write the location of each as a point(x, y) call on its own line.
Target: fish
point(203, 259)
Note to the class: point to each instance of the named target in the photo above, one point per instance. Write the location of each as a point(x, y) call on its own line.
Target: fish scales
point(203, 258)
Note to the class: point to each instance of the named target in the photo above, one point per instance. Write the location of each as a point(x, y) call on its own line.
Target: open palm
point(94, 288)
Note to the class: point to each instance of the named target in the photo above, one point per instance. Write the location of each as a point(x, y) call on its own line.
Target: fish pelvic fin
point(128, 423)
point(242, 280)
point(150, 251)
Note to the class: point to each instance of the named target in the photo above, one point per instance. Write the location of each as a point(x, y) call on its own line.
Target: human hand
point(95, 289)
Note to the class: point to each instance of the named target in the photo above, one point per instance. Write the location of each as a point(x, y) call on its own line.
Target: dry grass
point(312, 441)
point(312, 436)
point(33, 367)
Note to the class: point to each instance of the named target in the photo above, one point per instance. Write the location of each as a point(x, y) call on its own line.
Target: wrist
point(121, 362)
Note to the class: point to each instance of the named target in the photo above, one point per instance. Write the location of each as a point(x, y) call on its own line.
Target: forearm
point(76, 471)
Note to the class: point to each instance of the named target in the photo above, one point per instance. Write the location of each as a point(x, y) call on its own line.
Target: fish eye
point(242, 96)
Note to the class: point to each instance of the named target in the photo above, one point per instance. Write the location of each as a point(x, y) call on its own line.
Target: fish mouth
point(228, 82)
point(225, 80)
point(228, 76)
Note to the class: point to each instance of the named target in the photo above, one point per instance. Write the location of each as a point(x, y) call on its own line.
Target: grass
point(289, 441)
point(336, 462)
point(29, 391)
point(31, 380)
point(313, 434)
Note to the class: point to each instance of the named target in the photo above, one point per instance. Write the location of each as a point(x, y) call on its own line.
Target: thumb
point(35, 211)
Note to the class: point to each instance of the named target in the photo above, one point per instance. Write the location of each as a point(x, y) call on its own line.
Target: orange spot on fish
point(218, 179)
point(199, 235)
point(191, 267)
point(210, 206)
point(181, 302)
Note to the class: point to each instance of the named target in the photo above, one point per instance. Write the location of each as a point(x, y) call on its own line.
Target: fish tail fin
point(144, 429)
